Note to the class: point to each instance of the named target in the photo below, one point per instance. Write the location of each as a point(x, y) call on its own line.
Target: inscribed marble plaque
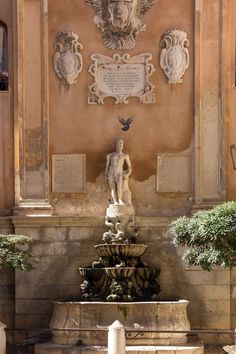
point(68, 173)
point(173, 173)
point(121, 77)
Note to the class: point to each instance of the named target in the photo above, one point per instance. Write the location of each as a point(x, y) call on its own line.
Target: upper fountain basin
point(125, 250)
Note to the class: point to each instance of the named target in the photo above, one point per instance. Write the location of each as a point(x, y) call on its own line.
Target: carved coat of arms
point(68, 61)
point(174, 58)
point(120, 20)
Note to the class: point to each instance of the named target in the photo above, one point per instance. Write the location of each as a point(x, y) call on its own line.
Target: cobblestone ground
point(209, 349)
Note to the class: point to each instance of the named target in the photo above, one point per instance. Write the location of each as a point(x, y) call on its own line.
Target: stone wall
point(62, 244)
point(7, 283)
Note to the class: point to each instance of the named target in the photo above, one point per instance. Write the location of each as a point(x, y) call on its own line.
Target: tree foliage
point(15, 252)
point(209, 237)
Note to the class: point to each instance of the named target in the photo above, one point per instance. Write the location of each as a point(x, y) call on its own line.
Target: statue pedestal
point(120, 221)
point(120, 210)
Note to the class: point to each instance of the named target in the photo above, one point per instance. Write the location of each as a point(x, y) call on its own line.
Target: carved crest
point(174, 58)
point(120, 20)
point(121, 77)
point(68, 61)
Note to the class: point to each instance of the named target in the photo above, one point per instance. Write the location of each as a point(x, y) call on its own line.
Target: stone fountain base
point(169, 315)
point(159, 315)
point(68, 349)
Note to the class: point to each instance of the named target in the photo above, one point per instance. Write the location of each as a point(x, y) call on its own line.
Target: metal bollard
point(116, 339)
point(2, 338)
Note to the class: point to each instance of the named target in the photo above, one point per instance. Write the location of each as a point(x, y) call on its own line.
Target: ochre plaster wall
point(230, 123)
point(163, 127)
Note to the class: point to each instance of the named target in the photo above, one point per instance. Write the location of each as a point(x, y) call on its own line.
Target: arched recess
point(3, 57)
point(6, 109)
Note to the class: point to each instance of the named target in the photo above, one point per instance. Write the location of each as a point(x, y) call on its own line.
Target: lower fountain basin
point(120, 273)
point(158, 315)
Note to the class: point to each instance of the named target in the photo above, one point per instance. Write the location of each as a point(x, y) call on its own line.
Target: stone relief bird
point(125, 122)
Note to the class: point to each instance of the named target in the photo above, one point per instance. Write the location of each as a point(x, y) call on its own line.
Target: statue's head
point(119, 145)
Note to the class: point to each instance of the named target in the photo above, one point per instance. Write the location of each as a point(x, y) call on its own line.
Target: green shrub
point(15, 253)
point(209, 237)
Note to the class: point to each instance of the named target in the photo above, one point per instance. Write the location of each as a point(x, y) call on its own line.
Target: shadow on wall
point(175, 280)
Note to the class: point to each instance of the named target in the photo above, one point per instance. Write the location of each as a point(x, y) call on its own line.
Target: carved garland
point(121, 77)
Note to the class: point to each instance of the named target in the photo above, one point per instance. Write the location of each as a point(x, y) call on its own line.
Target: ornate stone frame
point(145, 95)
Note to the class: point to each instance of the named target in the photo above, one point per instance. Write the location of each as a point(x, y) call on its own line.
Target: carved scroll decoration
point(68, 61)
point(121, 77)
point(174, 59)
point(120, 20)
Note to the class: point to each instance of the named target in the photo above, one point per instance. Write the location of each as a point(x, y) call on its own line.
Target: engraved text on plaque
point(121, 77)
point(173, 173)
point(126, 79)
point(68, 173)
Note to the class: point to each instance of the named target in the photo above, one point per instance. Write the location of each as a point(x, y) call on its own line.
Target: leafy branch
point(209, 237)
point(15, 252)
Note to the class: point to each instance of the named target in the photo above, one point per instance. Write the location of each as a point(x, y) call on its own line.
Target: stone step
point(49, 348)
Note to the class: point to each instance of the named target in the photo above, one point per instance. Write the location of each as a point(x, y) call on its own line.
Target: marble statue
point(119, 217)
point(117, 172)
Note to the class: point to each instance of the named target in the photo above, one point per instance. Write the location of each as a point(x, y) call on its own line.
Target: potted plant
point(209, 237)
point(15, 253)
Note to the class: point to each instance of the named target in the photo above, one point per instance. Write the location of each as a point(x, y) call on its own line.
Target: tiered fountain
point(119, 285)
point(120, 274)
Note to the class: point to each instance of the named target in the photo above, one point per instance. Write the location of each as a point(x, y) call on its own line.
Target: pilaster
point(31, 108)
point(209, 189)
